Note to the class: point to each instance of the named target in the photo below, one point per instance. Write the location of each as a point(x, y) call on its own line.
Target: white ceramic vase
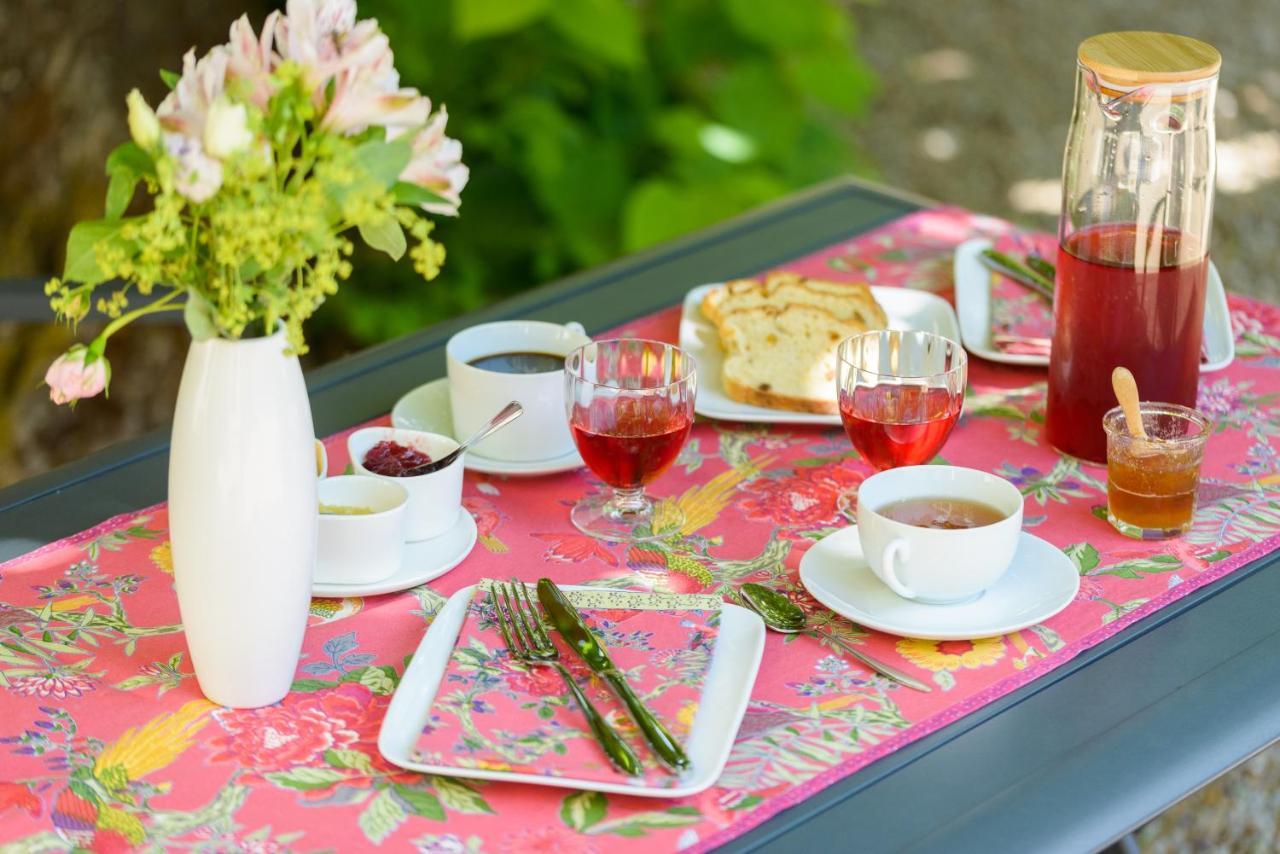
point(242, 516)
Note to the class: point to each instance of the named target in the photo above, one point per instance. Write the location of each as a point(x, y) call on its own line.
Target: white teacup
point(929, 565)
point(364, 547)
point(435, 499)
point(476, 394)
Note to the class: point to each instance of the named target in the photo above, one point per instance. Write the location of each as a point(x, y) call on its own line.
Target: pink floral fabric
point(495, 713)
point(106, 743)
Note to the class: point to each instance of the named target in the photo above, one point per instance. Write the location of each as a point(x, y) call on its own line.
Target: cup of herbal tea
point(492, 364)
point(940, 535)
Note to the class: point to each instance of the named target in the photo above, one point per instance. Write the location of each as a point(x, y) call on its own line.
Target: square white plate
point(973, 301)
point(907, 309)
point(732, 675)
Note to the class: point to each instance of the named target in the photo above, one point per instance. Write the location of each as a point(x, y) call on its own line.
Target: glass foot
point(624, 518)
point(1139, 533)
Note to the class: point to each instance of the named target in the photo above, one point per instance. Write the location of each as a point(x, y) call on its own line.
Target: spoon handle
point(878, 666)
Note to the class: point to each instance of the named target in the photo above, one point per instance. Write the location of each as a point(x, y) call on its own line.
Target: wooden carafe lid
point(1136, 58)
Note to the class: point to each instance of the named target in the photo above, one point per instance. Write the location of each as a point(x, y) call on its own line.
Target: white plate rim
point(862, 618)
point(473, 461)
point(411, 703)
point(694, 328)
point(402, 579)
point(973, 308)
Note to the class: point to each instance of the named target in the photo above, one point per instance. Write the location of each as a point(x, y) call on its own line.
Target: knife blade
point(568, 622)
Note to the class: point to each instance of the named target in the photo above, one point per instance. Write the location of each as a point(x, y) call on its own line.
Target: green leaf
point(413, 195)
point(420, 802)
point(1083, 555)
point(308, 686)
point(119, 193)
point(581, 810)
point(82, 264)
point(385, 235)
point(1217, 556)
point(383, 161)
point(128, 158)
point(474, 19)
point(170, 78)
point(459, 797)
point(1140, 566)
point(198, 314)
point(610, 29)
point(637, 824)
point(306, 779)
point(381, 818)
point(353, 759)
point(379, 679)
point(795, 23)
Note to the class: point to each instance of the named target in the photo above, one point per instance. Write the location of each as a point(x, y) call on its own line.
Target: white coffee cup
point(435, 499)
point(930, 565)
point(364, 547)
point(476, 394)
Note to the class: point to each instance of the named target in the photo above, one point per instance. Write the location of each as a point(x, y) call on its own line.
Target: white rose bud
point(226, 129)
point(144, 127)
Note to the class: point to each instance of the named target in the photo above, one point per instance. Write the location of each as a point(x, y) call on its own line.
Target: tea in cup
point(940, 535)
point(493, 364)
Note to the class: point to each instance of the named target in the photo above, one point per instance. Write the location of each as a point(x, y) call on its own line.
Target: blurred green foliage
point(597, 127)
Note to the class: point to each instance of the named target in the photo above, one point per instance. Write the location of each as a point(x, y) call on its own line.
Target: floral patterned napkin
point(494, 713)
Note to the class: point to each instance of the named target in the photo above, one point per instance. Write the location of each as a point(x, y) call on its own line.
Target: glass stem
point(629, 500)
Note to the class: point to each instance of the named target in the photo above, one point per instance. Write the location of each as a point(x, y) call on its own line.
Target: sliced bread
point(784, 357)
point(848, 301)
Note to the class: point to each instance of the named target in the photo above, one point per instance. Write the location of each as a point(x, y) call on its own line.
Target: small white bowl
point(365, 547)
point(435, 499)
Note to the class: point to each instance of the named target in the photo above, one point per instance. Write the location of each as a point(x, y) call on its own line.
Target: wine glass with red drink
point(630, 408)
point(900, 394)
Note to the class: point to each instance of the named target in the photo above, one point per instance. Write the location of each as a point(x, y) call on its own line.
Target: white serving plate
point(906, 309)
point(734, 664)
point(422, 561)
point(973, 303)
point(1040, 582)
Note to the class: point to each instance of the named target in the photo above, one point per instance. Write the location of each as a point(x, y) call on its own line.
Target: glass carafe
point(1133, 241)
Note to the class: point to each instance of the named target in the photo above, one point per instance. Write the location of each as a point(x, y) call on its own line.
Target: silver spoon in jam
point(509, 413)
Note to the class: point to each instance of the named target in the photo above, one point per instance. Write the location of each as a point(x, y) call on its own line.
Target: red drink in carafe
point(1122, 301)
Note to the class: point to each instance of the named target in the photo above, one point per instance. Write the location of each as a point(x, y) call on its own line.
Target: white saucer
point(423, 561)
point(427, 408)
point(1040, 583)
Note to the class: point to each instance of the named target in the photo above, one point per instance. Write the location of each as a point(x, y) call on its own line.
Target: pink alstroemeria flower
point(185, 109)
point(251, 59)
point(308, 34)
point(436, 165)
point(70, 379)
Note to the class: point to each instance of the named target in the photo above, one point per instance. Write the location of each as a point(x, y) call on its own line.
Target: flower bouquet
point(267, 153)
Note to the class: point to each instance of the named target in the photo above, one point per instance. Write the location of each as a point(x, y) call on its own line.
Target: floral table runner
point(106, 742)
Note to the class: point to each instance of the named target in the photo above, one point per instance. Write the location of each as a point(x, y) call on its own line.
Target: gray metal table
point(1068, 763)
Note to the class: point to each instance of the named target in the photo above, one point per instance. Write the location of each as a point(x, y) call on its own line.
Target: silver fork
point(528, 642)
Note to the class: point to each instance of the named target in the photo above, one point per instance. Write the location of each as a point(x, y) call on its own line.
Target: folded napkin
point(494, 713)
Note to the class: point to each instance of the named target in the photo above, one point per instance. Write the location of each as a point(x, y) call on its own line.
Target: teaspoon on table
point(782, 615)
point(509, 413)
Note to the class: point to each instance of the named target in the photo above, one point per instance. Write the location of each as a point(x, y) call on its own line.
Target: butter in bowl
point(361, 531)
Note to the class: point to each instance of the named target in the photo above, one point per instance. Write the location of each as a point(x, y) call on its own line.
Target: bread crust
point(743, 393)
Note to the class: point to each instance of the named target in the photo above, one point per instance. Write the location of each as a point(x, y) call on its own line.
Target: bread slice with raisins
point(784, 357)
point(852, 301)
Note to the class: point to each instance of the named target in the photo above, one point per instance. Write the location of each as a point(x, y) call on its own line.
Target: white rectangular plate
point(973, 301)
point(734, 664)
point(906, 309)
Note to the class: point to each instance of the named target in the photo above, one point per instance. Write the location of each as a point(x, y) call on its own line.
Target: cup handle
point(897, 547)
point(575, 326)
